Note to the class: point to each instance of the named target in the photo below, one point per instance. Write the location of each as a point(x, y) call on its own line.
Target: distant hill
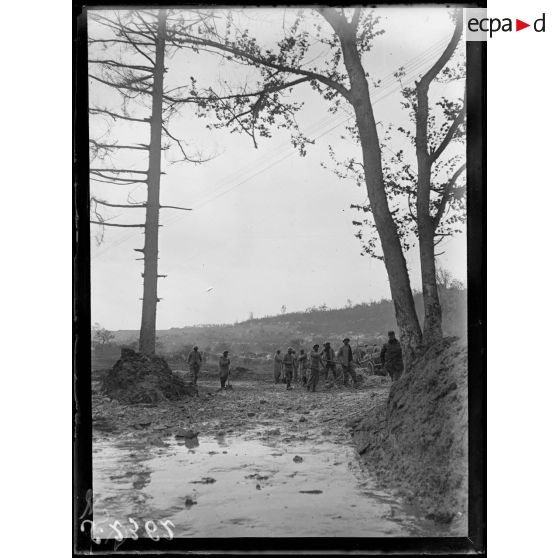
point(365, 323)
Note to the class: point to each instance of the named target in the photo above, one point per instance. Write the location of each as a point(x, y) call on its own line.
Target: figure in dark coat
point(224, 369)
point(277, 366)
point(288, 365)
point(345, 357)
point(392, 357)
point(195, 361)
point(315, 363)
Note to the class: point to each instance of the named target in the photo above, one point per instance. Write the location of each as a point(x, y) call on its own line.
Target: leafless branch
point(126, 206)
point(175, 207)
point(104, 223)
point(119, 171)
point(114, 115)
point(114, 64)
point(179, 143)
point(116, 146)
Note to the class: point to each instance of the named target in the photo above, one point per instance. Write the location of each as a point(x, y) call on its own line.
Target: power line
point(386, 82)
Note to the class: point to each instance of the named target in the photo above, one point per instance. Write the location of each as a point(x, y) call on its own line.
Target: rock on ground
point(417, 440)
point(137, 378)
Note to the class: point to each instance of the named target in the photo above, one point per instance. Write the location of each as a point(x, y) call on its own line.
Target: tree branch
point(427, 78)
point(175, 207)
point(446, 195)
point(115, 64)
point(356, 18)
point(119, 171)
point(116, 146)
point(114, 115)
point(262, 92)
point(126, 206)
point(179, 143)
point(124, 85)
point(115, 224)
point(448, 137)
point(259, 61)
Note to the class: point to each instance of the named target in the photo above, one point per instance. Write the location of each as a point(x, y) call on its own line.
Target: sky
point(268, 227)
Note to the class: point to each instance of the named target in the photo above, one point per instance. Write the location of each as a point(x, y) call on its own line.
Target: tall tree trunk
point(151, 247)
point(432, 328)
point(394, 259)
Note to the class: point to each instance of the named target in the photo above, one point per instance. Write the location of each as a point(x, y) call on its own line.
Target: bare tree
point(128, 56)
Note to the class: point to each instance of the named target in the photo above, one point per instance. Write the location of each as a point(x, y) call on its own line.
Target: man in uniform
point(392, 357)
point(277, 366)
point(295, 367)
point(224, 369)
point(303, 366)
point(328, 355)
point(288, 364)
point(345, 356)
point(315, 363)
point(195, 360)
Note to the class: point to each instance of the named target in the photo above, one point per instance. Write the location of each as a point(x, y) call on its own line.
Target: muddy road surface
point(265, 462)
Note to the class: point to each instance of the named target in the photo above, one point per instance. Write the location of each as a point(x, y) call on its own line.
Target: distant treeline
point(364, 323)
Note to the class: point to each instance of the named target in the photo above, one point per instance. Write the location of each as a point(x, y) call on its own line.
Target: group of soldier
point(305, 368)
point(195, 359)
point(292, 368)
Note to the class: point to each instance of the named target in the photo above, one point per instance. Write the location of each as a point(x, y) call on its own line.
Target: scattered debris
point(189, 434)
point(189, 502)
point(256, 476)
point(204, 480)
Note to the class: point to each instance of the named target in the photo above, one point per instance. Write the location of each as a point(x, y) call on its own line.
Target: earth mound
point(137, 378)
point(417, 440)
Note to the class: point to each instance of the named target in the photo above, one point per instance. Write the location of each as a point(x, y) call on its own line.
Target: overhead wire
point(286, 150)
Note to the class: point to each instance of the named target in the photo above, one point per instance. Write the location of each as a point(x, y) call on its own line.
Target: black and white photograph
point(279, 282)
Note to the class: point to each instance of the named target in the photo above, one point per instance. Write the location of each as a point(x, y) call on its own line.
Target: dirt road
point(296, 414)
point(266, 462)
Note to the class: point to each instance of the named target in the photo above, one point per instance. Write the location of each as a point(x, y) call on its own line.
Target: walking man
point(277, 366)
point(315, 363)
point(303, 366)
point(392, 357)
point(195, 360)
point(224, 369)
point(295, 367)
point(288, 365)
point(328, 355)
point(345, 356)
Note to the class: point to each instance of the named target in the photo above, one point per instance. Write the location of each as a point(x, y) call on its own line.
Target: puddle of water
point(239, 487)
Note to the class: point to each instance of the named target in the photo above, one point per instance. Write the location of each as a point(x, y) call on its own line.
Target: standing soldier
point(224, 369)
point(303, 366)
point(295, 367)
point(288, 364)
point(345, 356)
point(277, 366)
point(392, 357)
point(328, 355)
point(315, 363)
point(195, 360)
